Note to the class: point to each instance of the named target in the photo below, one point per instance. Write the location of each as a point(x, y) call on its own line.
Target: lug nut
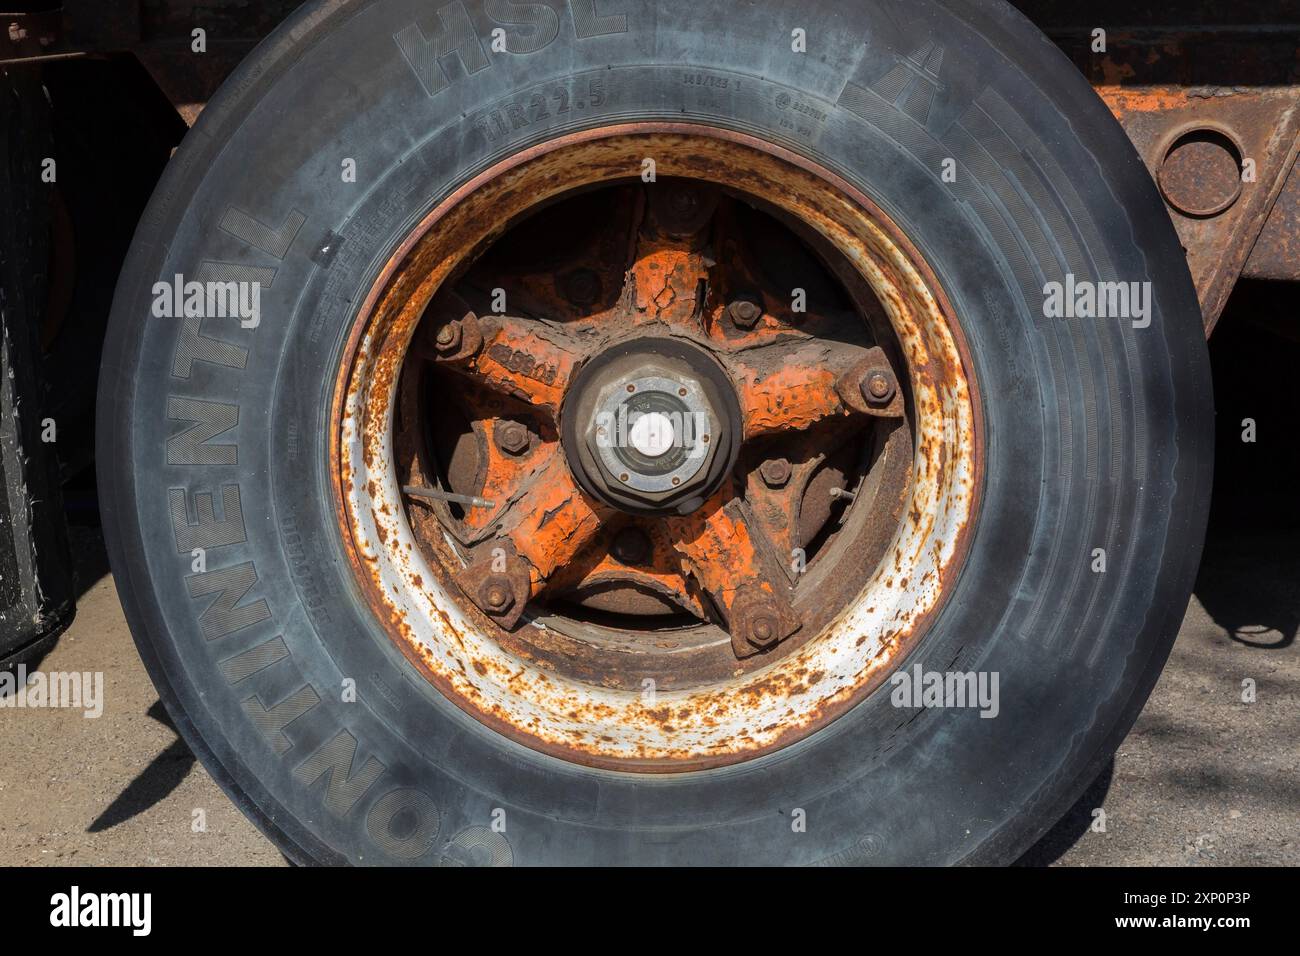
point(501, 592)
point(745, 313)
point(759, 620)
point(631, 547)
point(762, 631)
point(512, 438)
point(496, 595)
point(449, 338)
point(776, 473)
point(879, 388)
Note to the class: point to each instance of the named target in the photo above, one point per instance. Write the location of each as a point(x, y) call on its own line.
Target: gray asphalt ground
point(1203, 779)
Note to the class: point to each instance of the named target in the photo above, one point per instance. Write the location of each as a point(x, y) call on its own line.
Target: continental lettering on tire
point(207, 531)
point(272, 721)
point(193, 344)
point(195, 524)
point(254, 660)
point(208, 420)
point(274, 242)
point(404, 823)
point(334, 761)
point(450, 36)
point(478, 846)
point(228, 587)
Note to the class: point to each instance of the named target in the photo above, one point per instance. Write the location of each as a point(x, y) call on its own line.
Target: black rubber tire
point(1098, 434)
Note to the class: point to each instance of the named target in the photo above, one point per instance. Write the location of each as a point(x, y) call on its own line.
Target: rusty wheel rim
point(457, 614)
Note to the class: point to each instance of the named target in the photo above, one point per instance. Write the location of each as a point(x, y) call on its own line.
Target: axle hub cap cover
point(651, 426)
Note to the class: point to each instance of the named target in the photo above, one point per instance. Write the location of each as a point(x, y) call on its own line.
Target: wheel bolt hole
point(631, 547)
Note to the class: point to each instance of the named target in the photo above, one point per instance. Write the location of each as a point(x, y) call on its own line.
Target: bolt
point(582, 287)
point(449, 338)
point(745, 313)
point(762, 630)
point(759, 620)
point(776, 473)
point(512, 438)
point(631, 547)
point(878, 388)
point(496, 595)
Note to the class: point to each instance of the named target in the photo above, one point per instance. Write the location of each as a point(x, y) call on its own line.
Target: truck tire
point(360, 162)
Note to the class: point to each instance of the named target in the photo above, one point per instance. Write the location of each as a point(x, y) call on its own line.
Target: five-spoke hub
point(622, 454)
point(543, 593)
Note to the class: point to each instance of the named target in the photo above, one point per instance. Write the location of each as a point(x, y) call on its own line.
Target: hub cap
point(652, 427)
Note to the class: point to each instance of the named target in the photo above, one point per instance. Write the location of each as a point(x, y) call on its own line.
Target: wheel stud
point(759, 621)
point(502, 594)
point(879, 387)
point(762, 631)
point(745, 313)
point(512, 438)
point(776, 473)
point(496, 595)
point(449, 338)
point(631, 547)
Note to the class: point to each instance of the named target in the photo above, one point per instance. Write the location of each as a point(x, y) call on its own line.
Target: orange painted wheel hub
point(656, 474)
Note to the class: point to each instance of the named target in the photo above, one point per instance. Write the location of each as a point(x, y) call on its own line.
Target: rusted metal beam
point(1200, 87)
point(1221, 156)
point(1277, 252)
